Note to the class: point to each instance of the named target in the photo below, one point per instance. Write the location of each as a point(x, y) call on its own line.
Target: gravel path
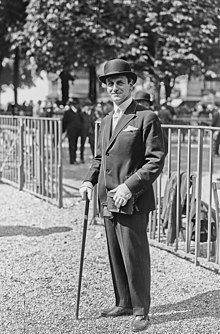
point(40, 250)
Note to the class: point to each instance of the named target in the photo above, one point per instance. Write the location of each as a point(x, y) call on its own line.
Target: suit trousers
point(73, 140)
point(129, 258)
point(216, 144)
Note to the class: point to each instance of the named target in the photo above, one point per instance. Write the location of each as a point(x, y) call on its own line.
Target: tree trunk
point(157, 93)
point(1, 68)
point(168, 84)
point(92, 84)
point(65, 76)
point(16, 78)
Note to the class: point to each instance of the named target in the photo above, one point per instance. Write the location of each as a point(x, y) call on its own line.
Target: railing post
point(159, 205)
point(60, 166)
point(178, 209)
point(21, 155)
point(210, 195)
point(198, 195)
point(95, 192)
point(37, 165)
point(188, 197)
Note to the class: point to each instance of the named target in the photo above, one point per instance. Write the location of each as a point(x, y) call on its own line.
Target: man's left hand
point(122, 195)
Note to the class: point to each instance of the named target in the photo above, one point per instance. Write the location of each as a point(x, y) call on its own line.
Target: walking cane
point(82, 254)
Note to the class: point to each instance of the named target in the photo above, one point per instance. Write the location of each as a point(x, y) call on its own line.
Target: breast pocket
point(128, 140)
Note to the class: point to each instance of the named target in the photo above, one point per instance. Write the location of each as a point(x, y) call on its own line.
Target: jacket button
point(107, 170)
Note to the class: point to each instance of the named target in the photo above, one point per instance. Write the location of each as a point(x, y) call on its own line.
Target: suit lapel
point(129, 113)
point(108, 125)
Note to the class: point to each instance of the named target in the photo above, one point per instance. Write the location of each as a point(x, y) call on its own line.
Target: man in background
point(72, 125)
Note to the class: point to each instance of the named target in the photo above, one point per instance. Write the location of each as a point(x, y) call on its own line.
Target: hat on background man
point(141, 95)
point(117, 67)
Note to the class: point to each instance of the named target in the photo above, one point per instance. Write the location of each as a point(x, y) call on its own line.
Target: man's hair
point(130, 79)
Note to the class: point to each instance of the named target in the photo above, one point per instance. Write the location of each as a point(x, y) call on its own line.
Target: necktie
point(116, 117)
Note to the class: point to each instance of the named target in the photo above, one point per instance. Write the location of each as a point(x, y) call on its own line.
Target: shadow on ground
point(70, 191)
point(10, 231)
point(202, 305)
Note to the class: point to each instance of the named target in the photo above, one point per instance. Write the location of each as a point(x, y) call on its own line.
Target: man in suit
point(216, 135)
point(72, 125)
point(129, 157)
point(88, 129)
point(143, 98)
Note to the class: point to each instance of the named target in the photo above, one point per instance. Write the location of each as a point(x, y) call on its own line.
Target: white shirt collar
point(123, 106)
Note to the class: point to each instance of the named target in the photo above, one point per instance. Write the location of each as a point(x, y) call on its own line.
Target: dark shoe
point(116, 311)
point(140, 323)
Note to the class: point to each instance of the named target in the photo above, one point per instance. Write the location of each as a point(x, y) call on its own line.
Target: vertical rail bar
point(46, 148)
point(60, 169)
point(51, 128)
point(32, 153)
point(56, 158)
point(169, 153)
point(28, 153)
point(210, 194)
point(215, 193)
point(188, 222)
point(154, 213)
point(11, 156)
point(95, 191)
point(159, 206)
point(38, 158)
point(21, 156)
point(198, 195)
point(35, 156)
point(42, 156)
point(178, 213)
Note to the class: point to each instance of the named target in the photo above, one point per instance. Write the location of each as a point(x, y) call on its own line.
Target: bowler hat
point(117, 67)
point(141, 95)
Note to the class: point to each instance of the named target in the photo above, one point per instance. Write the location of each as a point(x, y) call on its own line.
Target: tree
point(71, 34)
point(172, 38)
point(163, 38)
point(65, 77)
point(12, 18)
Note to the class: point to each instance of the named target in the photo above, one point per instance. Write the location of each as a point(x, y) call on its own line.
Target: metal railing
point(189, 168)
point(193, 218)
point(31, 155)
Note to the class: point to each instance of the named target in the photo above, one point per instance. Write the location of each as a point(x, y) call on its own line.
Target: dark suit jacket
point(133, 154)
point(216, 119)
point(72, 122)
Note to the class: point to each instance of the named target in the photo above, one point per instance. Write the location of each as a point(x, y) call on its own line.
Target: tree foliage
point(173, 37)
point(12, 18)
point(164, 38)
point(74, 33)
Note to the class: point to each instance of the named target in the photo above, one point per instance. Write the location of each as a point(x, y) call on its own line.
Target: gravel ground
point(40, 251)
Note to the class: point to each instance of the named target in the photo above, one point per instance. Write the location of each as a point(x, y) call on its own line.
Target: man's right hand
point(86, 189)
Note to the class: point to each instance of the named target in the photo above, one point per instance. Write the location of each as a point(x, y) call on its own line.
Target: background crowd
point(79, 117)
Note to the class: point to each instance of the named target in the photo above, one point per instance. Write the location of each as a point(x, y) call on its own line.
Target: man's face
point(118, 88)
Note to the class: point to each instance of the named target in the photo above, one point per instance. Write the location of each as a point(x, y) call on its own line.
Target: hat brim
point(129, 74)
point(144, 100)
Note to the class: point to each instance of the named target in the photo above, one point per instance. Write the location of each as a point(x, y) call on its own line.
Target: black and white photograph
point(109, 166)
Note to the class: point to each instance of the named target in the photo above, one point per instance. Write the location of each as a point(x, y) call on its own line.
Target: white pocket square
point(130, 128)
